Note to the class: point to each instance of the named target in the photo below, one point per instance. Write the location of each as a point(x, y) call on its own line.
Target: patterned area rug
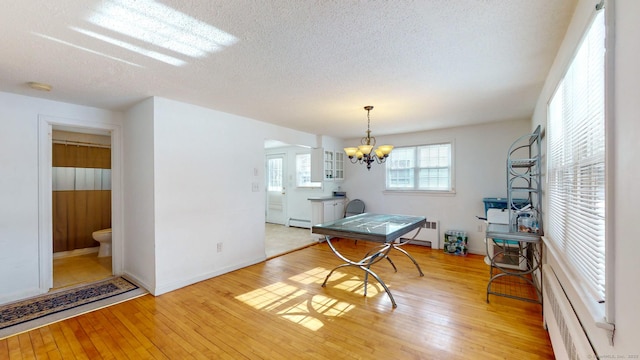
point(62, 300)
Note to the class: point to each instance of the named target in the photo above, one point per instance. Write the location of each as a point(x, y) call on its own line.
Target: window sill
point(419, 192)
point(580, 299)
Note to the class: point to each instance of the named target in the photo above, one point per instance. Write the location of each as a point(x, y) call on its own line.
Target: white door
point(276, 211)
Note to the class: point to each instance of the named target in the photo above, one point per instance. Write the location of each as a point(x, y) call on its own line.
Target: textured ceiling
point(307, 65)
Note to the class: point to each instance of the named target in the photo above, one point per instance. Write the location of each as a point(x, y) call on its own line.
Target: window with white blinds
point(420, 168)
point(576, 164)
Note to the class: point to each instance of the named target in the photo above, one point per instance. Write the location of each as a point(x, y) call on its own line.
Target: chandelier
point(364, 153)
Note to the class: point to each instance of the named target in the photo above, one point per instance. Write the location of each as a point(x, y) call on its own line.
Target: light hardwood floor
point(81, 269)
point(278, 310)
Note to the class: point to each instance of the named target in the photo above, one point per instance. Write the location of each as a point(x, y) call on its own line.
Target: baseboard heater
point(568, 338)
point(301, 223)
point(429, 235)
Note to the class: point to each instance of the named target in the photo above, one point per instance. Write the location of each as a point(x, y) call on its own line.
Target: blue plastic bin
point(501, 203)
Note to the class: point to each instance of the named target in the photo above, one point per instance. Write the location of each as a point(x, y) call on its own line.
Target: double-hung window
point(420, 168)
point(576, 165)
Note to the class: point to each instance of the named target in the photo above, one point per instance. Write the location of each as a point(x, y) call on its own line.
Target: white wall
point(139, 250)
point(480, 171)
point(183, 191)
point(204, 164)
point(624, 128)
point(19, 262)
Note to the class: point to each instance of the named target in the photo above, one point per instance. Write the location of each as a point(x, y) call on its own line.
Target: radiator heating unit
point(301, 223)
point(568, 338)
point(429, 235)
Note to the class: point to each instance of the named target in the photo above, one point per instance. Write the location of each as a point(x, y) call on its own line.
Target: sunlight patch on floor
point(295, 304)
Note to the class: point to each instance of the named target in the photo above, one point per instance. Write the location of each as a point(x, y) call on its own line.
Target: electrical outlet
point(219, 247)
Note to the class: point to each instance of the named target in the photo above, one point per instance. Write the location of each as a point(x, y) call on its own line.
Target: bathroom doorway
point(81, 199)
point(66, 188)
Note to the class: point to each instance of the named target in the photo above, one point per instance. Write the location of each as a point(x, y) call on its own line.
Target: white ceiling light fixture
point(364, 153)
point(39, 86)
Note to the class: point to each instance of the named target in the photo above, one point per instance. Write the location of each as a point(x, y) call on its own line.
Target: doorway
point(276, 209)
point(81, 198)
point(287, 208)
point(46, 247)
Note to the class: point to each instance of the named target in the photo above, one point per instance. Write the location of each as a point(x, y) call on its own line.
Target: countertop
point(326, 198)
point(503, 231)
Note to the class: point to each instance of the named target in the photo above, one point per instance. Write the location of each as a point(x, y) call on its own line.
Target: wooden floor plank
point(101, 340)
point(26, 347)
point(76, 340)
point(279, 310)
point(48, 341)
point(119, 331)
point(4, 349)
point(13, 344)
point(61, 341)
point(37, 343)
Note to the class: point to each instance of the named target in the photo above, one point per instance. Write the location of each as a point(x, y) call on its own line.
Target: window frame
point(416, 189)
point(601, 310)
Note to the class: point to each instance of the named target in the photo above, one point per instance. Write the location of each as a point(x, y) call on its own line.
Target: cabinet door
point(317, 212)
point(327, 211)
point(317, 164)
point(328, 165)
point(338, 209)
point(339, 165)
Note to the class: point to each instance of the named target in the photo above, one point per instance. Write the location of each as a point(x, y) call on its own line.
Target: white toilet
point(104, 238)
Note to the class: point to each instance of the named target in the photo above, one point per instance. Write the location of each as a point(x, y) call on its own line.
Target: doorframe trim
point(45, 193)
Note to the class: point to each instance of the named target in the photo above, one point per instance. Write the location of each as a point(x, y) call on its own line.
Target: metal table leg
point(365, 265)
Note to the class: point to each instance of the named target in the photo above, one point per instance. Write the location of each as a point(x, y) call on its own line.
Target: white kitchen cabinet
point(339, 165)
point(326, 209)
point(333, 210)
point(333, 165)
point(327, 165)
point(317, 165)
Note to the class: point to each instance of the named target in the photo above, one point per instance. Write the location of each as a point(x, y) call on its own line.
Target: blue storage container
point(501, 203)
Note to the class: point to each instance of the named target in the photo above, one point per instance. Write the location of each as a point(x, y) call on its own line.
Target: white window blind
point(576, 164)
point(426, 167)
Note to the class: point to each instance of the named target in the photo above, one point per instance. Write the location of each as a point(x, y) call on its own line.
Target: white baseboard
point(76, 252)
point(161, 289)
point(137, 281)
